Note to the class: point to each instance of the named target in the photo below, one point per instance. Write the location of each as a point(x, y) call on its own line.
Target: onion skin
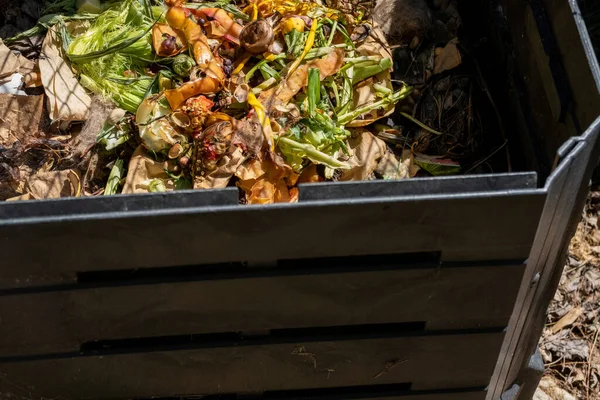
point(257, 36)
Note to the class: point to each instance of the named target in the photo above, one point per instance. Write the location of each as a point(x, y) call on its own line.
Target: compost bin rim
point(375, 200)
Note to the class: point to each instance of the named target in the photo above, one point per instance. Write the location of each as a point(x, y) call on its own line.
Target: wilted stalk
point(313, 154)
point(419, 123)
point(362, 73)
point(332, 34)
point(265, 85)
point(394, 98)
point(114, 179)
point(259, 65)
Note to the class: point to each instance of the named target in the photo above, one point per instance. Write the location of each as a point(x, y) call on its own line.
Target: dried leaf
point(67, 100)
point(9, 63)
point(447, 58)
point(568, 319)
point(367, 150)
point(553, 391)
point(31, 72)
point(142, 169)
point(54, 184)
point(328, 65)
point(413, 168)
point(391, 168)
point(20, 117)
point(219, 177)
point(264, 183)
point(310, 175)
point(26, 196)
point(375, 44)
point(562, 346)
point(248, 135)
point(252, 170)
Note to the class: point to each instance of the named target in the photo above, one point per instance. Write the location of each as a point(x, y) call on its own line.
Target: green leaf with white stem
point(437, 166)
point(45, 22)
point(362, 73)
point(259, 65)
point(362, 58)
point(347, 89)
point(265, 85)
point(318, 52)
point(269, 72)
point(307, 150)
point(392, 99)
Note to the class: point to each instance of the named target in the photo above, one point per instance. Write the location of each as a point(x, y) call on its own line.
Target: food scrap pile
point(263, 95)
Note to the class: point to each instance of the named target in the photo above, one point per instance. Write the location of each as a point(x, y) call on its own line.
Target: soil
point(18, 16)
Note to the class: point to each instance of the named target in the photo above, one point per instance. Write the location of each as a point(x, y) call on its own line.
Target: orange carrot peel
point(220, 24)
point(178, 19)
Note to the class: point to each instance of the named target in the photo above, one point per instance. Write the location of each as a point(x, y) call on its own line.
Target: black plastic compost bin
point(424, 289)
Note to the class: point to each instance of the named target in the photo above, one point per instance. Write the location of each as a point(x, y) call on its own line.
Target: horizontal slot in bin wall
point(439, 360)
point(366, 290)
point(469, 227)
